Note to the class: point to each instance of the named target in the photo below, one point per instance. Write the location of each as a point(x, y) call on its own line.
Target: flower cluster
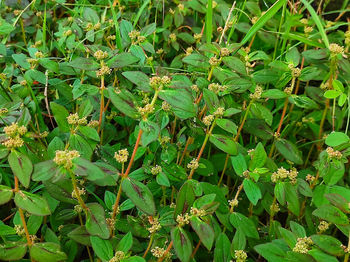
point(193, 164)
point(323, 226)
point(240, 255)
point(81, 192)
point(214, 61)
point(257, 93)
point(64, 158)
point(144, 111)
point(215, 87)
point(14, 134)
point(155, 226)
point(166, 106)
point(283, 173)
point(157, 83)
point(104, 70)
point(197, 212)
point(100, 55)
point(335, 49)
point(73, 119)
point(119, 256)
point(183, 219)
point(156, 170)
point(219, 112)
point(122, 155)
point(225, 52)
point(274, 208)
point(333, 154)
point(303, 245)
point(207, 120)
point(233, 203)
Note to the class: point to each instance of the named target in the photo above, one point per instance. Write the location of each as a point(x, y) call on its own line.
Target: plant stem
point(166, 252)
point(196, 249)
point(133, 153)
point(203, 147)
point(149, 245)
point(76, 190)
point(102, 106)
point(116, 204)
point(236, 139)
point(25, 226)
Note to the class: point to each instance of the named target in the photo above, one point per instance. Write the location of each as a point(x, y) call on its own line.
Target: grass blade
point(262, 20)
point(118, 38)
point(209, 21)
point(140, 12)
point(317, 22)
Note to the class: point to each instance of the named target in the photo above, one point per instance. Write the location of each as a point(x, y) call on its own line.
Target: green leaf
point(227, 125)
point(182, 244)
point(21, 60)
point(124, 101)
point(317, 21)
point(252, 191)
point(239, 240)
point(43, 252)
point(125, 243)
point(258, 127)
point(140, 195)
point(331, 214)
point(239, 164)
point(89, 132)
point(80, 144)
point(6, 28)
point(163, 180)
point(292, 198)
point(235, 64)
point(336, 139)
point(31, 203)
point(80, 235)
point(102, 248)
point(239, 220)
point(122, 60)
point(328, 244)
point(321, 257)
point(45, 170)
point(289, 151)
point(96, 221)
point(21, 167)
point(6, 194)
point(60, 114)
point(331, 94)
point(258, 158)
point(262, 20)
point(139, 78)
point(92, 172)
point(83, 63)
point(222, 249)
point(211, 100)
point(204, 231)
point(13, 251)
point(224, 143)
point(303, 102)
point(271, 252)
point(197, 60)
point(274, 94)
point(181, 101)
point(185, 199)
point(150, 132)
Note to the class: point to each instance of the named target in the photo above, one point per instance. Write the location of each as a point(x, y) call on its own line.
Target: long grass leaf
point(118, 38)
point(209, 21)
point(262, 20)
point(140, 12)
point(317, 21)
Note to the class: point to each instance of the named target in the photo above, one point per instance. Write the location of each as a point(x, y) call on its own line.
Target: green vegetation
point(156, 130)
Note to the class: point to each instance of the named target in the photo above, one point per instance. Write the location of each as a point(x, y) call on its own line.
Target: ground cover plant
point(176, 130)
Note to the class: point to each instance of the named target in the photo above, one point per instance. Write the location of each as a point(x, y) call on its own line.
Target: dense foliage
point(174, 130)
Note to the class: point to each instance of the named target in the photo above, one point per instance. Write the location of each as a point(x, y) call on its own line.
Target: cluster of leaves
point(174, 130)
